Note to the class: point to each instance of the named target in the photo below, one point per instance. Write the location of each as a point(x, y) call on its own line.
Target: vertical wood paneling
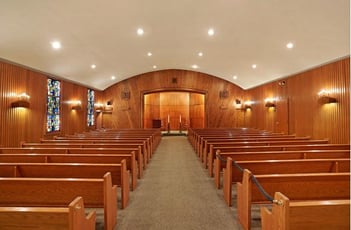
point(196, 110)
point(185, 80)
point(304, 114)
point(29, 124)
point(298, 110)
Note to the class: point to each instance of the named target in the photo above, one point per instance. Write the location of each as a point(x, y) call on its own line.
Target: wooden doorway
point(174, 110)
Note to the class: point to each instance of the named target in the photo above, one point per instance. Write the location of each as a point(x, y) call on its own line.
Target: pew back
point(305, 215)
point(59, 192)
point(71, 218)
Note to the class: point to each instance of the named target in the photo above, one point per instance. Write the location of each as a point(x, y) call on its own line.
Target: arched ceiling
point(104, 33)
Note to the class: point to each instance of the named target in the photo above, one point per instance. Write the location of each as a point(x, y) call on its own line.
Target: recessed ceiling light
point(149, 54)
point(56, 45)
point(154, 66)
point(140, 31)
point(195, 66)
point(210, 32)
point(235, 77)
point(113, 77)
point(254, 66)
point(290, 45)
point(93, 66)
point(200, 54)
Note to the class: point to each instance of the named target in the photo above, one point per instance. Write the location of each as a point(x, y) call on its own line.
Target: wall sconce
point(242, 106)
point(108, 108)
point(247, 105)
point(270, 102)
point(75, 105)
point(237, 104)
point(98, 107)
point(325, 98)
point(22, 101)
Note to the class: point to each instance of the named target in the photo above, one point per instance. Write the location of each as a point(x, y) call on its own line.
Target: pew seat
point(306, 215)
point(118, 172)
point(298, 187)
point(59, 192)
point(72, 217)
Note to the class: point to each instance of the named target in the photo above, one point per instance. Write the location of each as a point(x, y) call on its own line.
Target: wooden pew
point(76, 158)
point(221, 158)
point(118, 173)
point(195, 135)
point(59, 192)
point(90, 146)
point(92, 151)
point(305, 215)
point(219, 145)
point(146, 147)
point(305, 147)
point(299, 187)
point(71, 217)
point(232, 174)
point(206, 142)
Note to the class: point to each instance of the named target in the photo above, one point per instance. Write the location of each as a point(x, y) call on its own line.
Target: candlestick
point(180, 118)
point(168, 118)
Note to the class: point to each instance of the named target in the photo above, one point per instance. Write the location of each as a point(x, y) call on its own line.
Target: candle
point(180, 118)
point(168, 118)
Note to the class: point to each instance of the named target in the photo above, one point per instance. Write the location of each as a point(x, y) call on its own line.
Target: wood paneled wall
point(197, 110)
point(152, 109)
point(29, 124)
point(298, 109)
point(219, 112)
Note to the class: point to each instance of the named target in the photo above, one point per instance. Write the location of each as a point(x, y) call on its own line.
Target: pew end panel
point(305, 215)
point(59, 192)
point(72, 217)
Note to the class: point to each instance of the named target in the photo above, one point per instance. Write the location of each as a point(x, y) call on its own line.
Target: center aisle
point(176, 193)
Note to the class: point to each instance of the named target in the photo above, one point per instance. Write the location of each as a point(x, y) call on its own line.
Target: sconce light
point(325, 98)
point(247, 105)
point(237, 104)
point(242, 106)
point(98, 107)
point(270, 102)
point(22, 100)
point(76, 105)
point(108, 107)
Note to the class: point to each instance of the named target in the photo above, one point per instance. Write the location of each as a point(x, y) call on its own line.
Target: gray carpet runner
point(176, 193)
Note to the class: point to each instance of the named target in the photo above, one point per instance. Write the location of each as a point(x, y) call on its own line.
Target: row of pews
point(48, 185)
point(304, 182)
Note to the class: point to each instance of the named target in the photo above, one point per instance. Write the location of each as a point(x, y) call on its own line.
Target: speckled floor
point(176, 193)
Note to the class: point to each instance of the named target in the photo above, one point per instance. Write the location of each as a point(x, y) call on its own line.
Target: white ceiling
point(104, 33)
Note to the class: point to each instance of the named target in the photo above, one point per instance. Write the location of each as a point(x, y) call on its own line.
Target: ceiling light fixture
point(290, 45)
point(56, 45)
point(149, 54)
point(154, 66)
point(200, 54)
point(195, 66)
point(140, 31)
point(210, 32)
point(235, 77)
point(113, 77)
point(93, 66)
point(254, 66)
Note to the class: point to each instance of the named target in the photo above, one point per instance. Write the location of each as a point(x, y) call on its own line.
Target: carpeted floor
point(176, 193)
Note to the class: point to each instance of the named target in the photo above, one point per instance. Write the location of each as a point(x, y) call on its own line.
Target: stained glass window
point(90, 112)
point(53, 106)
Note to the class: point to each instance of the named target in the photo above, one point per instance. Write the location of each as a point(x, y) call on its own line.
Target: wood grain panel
point(176, 80)
point(29, 124)
point(298, 109)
